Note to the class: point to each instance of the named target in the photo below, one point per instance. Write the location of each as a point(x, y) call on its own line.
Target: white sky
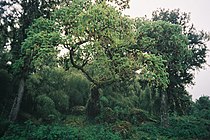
point(200, 10)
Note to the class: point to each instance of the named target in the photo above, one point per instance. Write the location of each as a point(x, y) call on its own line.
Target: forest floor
point(78, 127)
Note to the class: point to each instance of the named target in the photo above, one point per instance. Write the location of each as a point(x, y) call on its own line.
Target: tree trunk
point(93, 103)
point(17, 101)
point(164, 111)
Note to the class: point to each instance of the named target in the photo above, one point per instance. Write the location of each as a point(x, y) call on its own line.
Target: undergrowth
point(80, 128)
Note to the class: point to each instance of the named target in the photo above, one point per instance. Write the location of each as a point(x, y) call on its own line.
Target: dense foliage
point(80, 69)
point(186, 127)
point(183, 59)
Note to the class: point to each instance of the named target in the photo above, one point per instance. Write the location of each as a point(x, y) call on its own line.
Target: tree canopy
point(182, 59)
point(99, 41)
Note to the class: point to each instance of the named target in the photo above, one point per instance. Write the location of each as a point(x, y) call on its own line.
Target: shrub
point(4, 124)
point(76, 121)
point(46, 107)
point(77, 88)
point(123, 128)
point(65, 88)
point(76, 98)
point(104, 101)
point(189, 127)
point(107, 115)
point(98, 132)
point(78, 110)
point(61, 100)
point(29, 131)
point(133, 115)
point(185, 127)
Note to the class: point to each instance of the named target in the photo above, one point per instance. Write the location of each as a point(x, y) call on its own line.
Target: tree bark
point(93, 103)
point(17, 101)
point(164, 111)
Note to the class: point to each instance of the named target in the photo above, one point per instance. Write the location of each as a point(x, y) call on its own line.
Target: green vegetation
point(78, 127)
point(119, 78)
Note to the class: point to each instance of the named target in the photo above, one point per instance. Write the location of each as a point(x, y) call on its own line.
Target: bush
point(78, 110)
point(66, 88)
point(104, 101)
point(189, 127)
point(4, 124)
point(107, 115)
point(76, 121)
point(149, 131)
point(98, 132)
point(123, 128)
point(29, 131)
point(77, 127)
point(77, 98)
point(61, 100)
point(134, 115)
point(46, 107)
point(185, 127)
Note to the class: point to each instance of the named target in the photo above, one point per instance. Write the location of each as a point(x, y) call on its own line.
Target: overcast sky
point(199, 10)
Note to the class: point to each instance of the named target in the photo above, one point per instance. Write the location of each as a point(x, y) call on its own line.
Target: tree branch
point(80, 67)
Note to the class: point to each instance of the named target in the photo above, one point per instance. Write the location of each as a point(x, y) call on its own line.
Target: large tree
point(179, 98)
point(16, 16)
point(98, 40)
point(166, 40)
point(182, 47)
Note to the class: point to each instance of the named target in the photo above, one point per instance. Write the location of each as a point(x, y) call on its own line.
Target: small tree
point(37, 51)
point(16, 16)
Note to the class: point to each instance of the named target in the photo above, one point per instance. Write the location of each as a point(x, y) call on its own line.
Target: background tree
point(166, 40)
point(194, 58)
point(16, 17)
